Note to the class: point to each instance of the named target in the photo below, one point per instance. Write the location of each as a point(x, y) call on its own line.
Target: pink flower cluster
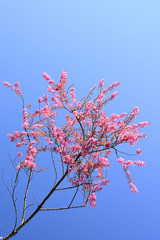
point(125, 165)
point(46, 76)
point(138, 151)
point(130, 162)
point(133, 187)
point(44, 99)
point(92, 200)
point(113, 85)
point(73, 95)
point(114, 94)
point(85, 140)
point(25, 121)
point(30, 157)
point(14, 88)
point(101, 82)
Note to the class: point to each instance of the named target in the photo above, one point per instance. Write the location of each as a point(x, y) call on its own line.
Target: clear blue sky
point(115, 40)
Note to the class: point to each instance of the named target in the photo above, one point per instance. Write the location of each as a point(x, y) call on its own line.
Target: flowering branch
point(83, 144)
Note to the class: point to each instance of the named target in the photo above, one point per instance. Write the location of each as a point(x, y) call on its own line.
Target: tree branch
point(25, 197)
point(73, 197)
point(53, 209)
point(13, 200)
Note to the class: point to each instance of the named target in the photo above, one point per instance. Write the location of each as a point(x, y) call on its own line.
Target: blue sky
point(91, 40)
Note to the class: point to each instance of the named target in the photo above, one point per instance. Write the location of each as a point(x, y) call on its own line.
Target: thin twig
point(59, 189)
point(29, 205)
point(54, 167)
point(134, 154)
point(35, 199)
point(73, 197)
point(53, 209)
point(13, 200)
point(15, 183)
point(11, 162)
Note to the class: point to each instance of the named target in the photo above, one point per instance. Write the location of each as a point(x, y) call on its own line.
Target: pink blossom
point(49, 141)
point(5, 83)
point(29, 164)
point(124, 166)
point(114, 94)
point(108, 144)
point(67, 159)
point(92, 200)
point(25, 124)
point(18, 91)
point(101, 82)
point(16, 84)
point(115, 84)
point(133, 188)
point(40, 100)
point(138, 151)
point(18, 167)
point(109, 152)
point(75, 113)
point(144, 124)
point(78, 104)
point(46, 76)
point(129, 162)
point(103, 162)
point(17, 135)
point(37, 126)
point(51, 81)
point(19, 154)
point(122, 115)
point(140, 163)
point(63, 77)
point(121, 160)
point(135, 111)
point(18, 144)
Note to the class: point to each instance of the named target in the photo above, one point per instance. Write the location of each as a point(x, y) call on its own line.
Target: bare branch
point(116, 152)
point(29, 205)
point(13, 233)
point(73, 197)
point(25, 197)
point(59, 189)
point(134, 154)
point(11, 162)
point(53, 209)
point(12, 196)
point(15, 183)
point(35, 199)
point(54, 167)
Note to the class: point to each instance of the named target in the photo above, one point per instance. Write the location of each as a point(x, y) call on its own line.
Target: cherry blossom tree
point(83, 145)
